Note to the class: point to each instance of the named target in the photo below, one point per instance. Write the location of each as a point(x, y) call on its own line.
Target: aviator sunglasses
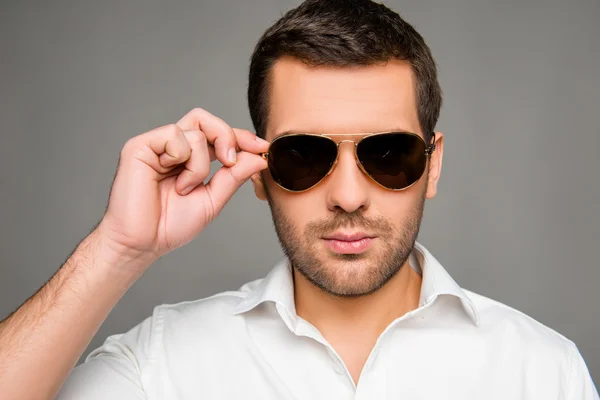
point(394, 160)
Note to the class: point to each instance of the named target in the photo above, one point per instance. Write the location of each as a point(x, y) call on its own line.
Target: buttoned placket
point(369, 368)
point(305, 328)
point(337, 362)
point(372, 383)
point(373, 379)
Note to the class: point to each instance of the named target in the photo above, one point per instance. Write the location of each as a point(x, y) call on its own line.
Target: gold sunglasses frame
point(429, 149)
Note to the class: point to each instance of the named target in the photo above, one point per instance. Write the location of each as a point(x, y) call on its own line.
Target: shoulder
point(521, 332)
point(178, 322)
point(216, 309)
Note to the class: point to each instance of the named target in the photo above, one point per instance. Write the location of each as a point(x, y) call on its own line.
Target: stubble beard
point(354, 275)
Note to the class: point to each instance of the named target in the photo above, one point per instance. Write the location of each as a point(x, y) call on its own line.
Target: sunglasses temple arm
point(429, 150)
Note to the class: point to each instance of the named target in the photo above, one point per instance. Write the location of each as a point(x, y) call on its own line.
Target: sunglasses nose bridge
point(349, 141)
point(354, 154)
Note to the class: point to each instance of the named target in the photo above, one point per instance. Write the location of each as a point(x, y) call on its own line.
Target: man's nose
point(348, 187)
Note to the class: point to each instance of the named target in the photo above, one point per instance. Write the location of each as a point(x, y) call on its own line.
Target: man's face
point(335, 101)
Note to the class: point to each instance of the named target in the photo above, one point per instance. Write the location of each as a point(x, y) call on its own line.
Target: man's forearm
point(41, 342)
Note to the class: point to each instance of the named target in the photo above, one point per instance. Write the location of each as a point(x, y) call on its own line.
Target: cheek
point(298, 209)
point(302, 211)
point(397, 207)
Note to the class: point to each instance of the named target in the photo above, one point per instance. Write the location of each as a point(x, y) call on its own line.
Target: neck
point(363, 318)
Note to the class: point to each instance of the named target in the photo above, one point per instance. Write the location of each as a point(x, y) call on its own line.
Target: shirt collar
point(437, 281)
point(278, 286)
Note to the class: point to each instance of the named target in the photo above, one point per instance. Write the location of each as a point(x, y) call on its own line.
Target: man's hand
point(159, 200)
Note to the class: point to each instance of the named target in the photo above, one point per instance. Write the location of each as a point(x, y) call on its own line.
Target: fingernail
point(187, 190)
point(232, 155)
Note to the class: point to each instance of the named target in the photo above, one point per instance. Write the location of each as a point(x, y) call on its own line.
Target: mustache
point(355, 219)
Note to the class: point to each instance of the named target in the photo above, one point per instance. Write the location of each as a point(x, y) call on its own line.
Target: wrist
point(113, 261)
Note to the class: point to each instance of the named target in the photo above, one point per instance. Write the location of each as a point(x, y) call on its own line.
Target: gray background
point(516, 218)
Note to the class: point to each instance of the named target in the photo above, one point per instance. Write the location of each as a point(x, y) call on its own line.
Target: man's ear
point(435, 166)
point(259, 186)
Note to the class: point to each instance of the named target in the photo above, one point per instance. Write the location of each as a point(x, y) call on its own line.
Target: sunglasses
point(394, 160)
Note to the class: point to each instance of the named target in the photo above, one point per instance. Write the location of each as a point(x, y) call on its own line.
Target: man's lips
point(348, 237)
point(349, 243)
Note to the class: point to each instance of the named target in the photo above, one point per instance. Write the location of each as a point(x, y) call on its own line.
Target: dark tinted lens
point(298, 162)
point(394, 160)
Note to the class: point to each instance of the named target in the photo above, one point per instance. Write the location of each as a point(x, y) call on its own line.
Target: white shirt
point(251, 344)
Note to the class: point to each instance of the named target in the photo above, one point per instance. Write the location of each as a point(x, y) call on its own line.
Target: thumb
point(227, 180)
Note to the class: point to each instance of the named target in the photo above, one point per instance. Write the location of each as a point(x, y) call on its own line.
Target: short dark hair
point(343, 33)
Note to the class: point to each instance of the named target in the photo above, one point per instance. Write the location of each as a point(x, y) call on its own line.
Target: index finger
point(216, 131)
point(244, 139)
point(248, 141)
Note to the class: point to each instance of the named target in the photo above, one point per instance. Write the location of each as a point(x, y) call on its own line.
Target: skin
point(350, 299)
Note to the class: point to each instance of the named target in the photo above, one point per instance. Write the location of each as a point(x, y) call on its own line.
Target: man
point(346, 95)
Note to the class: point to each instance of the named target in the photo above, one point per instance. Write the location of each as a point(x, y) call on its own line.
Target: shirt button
point(336, 363)
point(338, 368)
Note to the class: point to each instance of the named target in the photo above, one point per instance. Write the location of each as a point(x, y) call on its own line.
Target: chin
point(351, 275)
